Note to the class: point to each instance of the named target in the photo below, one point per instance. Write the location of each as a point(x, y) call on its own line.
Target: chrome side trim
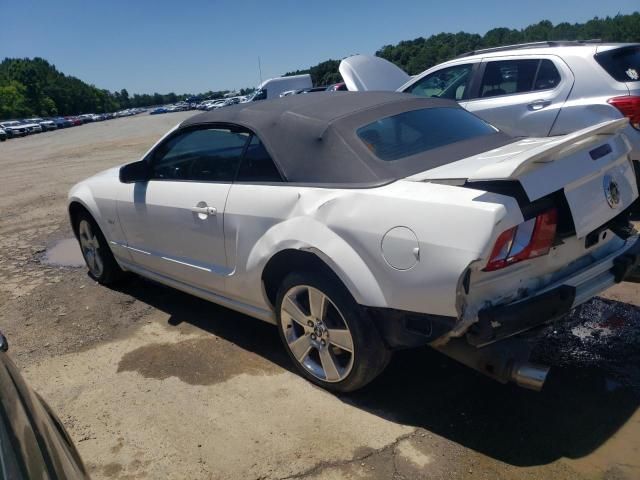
point(186, 264)
point(118, 244)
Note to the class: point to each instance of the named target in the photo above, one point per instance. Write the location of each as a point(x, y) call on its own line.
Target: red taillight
point(629, 106)
point(530, 239)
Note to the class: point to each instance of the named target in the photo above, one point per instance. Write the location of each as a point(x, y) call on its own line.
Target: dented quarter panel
point(345, 227)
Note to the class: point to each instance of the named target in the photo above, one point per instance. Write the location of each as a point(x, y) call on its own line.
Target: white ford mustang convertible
point(360, 223)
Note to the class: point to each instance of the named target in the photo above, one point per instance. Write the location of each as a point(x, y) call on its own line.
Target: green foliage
point(30, 87)
point(325, 73)
point(12, 100)
point(415, 56)
point(34, 87)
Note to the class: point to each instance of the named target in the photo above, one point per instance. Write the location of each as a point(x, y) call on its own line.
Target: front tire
point(96, 252)
point(326, 333)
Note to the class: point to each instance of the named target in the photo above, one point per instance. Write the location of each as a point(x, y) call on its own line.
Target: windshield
point(417, 131)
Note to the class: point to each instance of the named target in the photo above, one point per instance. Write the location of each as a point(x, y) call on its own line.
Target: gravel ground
point(153, 383)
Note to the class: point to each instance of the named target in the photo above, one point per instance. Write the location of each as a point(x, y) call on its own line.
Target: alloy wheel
point(316, 333)
point(90, 247)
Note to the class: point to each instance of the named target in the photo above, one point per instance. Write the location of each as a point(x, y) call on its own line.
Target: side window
point(204, 155)
point(448, 83)
point(257, 165)
point(507, 77)
point(547, 77)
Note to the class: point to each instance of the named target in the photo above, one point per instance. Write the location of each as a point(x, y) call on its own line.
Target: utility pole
point(260, 69)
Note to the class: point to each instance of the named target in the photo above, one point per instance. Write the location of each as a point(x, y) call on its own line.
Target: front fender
point(81, 194)
point(98, 196)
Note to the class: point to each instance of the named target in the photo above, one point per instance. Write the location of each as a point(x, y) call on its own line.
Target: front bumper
point(503, 321)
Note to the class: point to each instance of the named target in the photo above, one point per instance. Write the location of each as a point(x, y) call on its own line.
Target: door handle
point(539, 104)
point(205, 210)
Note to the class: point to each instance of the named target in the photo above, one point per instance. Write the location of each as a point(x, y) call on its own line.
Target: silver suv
point(534, 89)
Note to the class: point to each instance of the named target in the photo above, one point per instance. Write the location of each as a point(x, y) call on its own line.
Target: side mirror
point(135, 172)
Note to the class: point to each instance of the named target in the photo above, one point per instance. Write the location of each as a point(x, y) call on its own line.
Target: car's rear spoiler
point(515, 165)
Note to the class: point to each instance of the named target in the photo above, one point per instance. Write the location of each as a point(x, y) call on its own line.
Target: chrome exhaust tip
point(529, 375)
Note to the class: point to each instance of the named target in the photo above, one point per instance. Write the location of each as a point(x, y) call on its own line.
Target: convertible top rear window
point(413, 132)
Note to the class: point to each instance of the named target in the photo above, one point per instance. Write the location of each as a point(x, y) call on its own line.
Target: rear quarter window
point(623, 64)
point(417, 131)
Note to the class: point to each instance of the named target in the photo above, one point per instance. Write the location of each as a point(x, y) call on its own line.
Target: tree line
point(34, 87)
point(415, 56)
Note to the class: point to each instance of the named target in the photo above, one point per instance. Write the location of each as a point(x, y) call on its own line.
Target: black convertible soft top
point(312, 137)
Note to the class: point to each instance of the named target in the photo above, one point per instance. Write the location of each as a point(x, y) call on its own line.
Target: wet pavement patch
point(64, 253)
point(201, 361)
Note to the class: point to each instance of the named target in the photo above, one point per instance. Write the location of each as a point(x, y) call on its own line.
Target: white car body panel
point(405, 245)
point(564, 168)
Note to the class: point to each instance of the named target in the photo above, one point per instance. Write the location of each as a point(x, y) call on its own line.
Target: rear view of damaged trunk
point(576, 195)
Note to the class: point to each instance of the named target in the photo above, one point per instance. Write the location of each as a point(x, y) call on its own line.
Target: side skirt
point(256, 312)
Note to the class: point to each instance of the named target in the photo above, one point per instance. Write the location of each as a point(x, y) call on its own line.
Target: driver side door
point(174, 222)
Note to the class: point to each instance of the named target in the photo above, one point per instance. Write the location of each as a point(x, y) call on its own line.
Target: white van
point(273, 87)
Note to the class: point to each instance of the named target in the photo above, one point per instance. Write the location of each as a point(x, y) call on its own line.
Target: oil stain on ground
point(200, 361)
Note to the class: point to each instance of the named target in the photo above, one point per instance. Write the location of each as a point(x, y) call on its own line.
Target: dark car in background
point(33, 442)
point(312, 90)
point(157, 111)
point(337, 87)
point(62, 122)
point(76, 121)
point(3, 135)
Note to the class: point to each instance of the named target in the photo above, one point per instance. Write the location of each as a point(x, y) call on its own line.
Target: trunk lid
point(591, 166)
point(368, 72)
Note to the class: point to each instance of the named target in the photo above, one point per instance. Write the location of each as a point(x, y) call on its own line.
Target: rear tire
point(327, 335)
point(96, 252)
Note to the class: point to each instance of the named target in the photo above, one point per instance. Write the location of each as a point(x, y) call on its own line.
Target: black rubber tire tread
point(371, 355)
point(111, 272)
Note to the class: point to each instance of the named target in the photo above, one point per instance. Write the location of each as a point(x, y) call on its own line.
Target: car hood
point(368, 72)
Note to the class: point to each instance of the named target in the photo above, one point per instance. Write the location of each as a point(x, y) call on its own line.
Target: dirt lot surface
point(153, 383)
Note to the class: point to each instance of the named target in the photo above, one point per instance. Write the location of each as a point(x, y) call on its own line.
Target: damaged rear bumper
point(502, 321)
point(500, 343)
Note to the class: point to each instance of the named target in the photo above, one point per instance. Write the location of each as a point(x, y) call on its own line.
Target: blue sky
point(194, 46)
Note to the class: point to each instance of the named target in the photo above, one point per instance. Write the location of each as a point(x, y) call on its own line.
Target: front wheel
point(96, 252)
point(326, 333)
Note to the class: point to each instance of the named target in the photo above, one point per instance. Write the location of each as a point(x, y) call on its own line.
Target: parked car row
point(29, 126)
point(336, 87)
point(208, 105)
point(177, 107)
